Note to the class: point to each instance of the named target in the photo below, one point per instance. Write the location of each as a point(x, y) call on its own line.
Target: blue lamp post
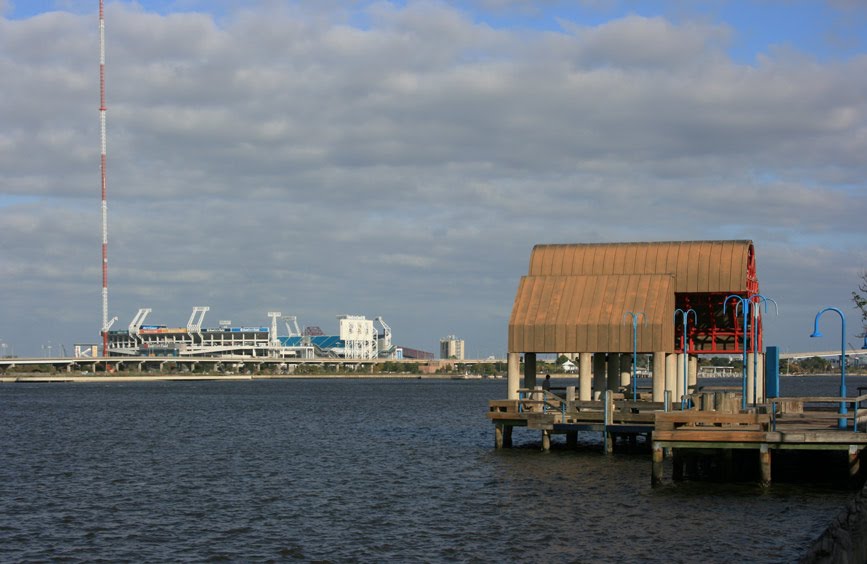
point(685, 315)
point(841, 423)
point(745, 303)
point(635, 316)
point(758, 300)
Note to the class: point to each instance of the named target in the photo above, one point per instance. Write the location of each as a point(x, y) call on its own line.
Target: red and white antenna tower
point(105, 322)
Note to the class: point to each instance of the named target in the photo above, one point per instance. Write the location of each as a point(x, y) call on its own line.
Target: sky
point(401, 159)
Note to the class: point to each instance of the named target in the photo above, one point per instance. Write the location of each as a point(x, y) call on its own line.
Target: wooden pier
point(712, 425)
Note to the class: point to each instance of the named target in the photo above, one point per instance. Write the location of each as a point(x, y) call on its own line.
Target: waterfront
point(367, 470)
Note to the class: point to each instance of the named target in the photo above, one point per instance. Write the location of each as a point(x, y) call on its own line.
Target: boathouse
point(580, 299)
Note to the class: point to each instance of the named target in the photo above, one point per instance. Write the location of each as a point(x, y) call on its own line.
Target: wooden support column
point(498, 435)
point(608, 438)
point(546, 440)
point(658, 457)
point(765, 463)
point(530, 370)
point(693, 373)
point(676, 465)
point(751, 376)
point(678, 379)
point(585, 375)
point(513, 375)
point(671, 374)
point(658, 376)
point(760, 379)
point(598, 375)
point(854, 461)
point(625, 370)
point(613, 372)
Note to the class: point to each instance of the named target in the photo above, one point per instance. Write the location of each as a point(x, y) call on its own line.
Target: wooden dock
point(713, 425)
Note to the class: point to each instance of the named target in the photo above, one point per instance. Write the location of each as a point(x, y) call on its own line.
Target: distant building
point(452, 347)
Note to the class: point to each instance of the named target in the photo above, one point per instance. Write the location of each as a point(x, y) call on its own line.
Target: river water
point(354, 470)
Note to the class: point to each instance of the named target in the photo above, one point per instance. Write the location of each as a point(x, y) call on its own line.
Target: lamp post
point(745, 302)
point(685, 315)
point(635, 316)
point(841, 423)
point(758, 302)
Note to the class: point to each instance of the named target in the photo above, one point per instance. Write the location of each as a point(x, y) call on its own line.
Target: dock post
point(507, 436)
point(680, 391)
point(513, 375)
point(546, 440)
point(625, 370)
point(498, 436)
point(598, 375)
point(671, 372)
point(760, 378)
point(751, 378)
point(530, 370)
point(658, 376)
point(656, 473)
point(585, 375)
point(609, 409)
point(854, 461)
point(765, 463)
point(693, 373)
point(676, 465)
point(613, 371)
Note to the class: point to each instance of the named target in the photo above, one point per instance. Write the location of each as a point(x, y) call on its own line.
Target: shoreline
point(59, 379)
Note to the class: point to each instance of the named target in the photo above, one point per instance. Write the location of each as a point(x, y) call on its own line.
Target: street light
point(685, 315)
point(745, 302)
point(841, 423)
point(635, 317)
point(758, 303)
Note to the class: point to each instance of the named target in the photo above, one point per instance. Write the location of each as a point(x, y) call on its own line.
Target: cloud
point(286, 157)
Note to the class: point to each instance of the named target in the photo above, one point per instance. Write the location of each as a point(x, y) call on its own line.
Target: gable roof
point(698, 266)
point(554, 314)
point(576, 296)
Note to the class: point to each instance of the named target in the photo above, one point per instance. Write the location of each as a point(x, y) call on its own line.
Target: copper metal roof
point(575, 296)
point(698, 266)
point(554, 314)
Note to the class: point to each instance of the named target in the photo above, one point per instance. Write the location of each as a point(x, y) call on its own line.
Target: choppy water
point(351, 470)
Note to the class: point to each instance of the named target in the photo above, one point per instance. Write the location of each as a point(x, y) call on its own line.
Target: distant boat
point(468, 377)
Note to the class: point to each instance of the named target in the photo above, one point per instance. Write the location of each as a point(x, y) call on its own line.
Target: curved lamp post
point(758, 302)
point(685, 315)
point(635, 316)
point(841, 423)
point(745, 303)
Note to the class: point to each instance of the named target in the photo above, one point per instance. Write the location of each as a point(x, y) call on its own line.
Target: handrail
point(842, 417)
point(552, 402)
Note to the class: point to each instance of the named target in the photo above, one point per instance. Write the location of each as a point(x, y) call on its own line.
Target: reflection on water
point(352, 470)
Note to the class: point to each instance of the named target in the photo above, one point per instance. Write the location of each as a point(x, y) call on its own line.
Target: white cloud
point(283, 158)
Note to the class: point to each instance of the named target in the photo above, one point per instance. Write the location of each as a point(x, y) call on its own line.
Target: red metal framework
point(717, 332)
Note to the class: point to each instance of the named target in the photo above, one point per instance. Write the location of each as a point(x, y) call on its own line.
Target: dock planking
point(710, 426)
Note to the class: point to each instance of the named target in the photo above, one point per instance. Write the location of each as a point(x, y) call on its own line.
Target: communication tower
point(106, 324)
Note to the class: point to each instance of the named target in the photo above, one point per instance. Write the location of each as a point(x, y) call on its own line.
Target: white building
point(452, 347)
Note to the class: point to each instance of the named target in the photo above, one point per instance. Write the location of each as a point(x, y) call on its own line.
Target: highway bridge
point(246, 364)
point(221, 365)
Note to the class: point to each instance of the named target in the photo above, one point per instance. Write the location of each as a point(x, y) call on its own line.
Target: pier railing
point(613, 409)
point(819, 411)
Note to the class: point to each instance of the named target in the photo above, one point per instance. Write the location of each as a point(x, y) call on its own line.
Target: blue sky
point(825, 30)
point(401, 159)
